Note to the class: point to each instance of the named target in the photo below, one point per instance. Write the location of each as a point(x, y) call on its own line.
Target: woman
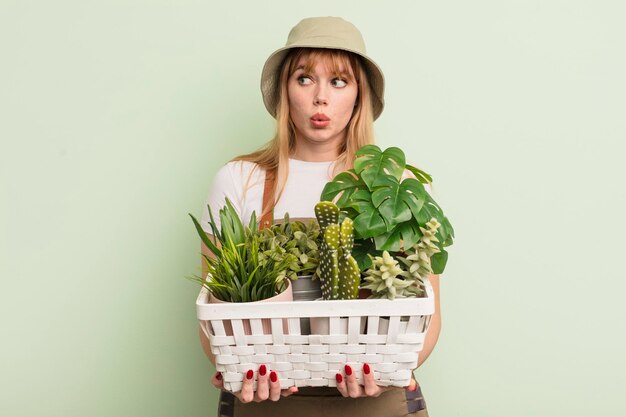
point(325, 93)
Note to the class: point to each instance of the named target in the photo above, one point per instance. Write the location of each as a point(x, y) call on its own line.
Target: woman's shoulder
point(239, 167)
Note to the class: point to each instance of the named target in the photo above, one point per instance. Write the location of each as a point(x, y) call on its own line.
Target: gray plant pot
point(306, 289)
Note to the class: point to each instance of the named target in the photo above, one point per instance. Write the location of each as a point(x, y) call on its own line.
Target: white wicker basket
point(313, 360)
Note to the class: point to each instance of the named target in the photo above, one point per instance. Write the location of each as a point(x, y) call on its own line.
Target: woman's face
point(321, 103)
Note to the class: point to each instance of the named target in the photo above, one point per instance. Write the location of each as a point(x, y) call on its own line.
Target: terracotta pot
point(286, 295)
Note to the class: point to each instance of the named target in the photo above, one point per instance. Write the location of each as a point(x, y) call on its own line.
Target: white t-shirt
point(302, 192)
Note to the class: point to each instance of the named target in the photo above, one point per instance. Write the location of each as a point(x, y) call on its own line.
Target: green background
point(115, 116)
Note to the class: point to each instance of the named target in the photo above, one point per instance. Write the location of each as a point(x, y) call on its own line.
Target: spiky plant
point(338, 271)
point(386, 279)
point(417, 260)
point(235, 271)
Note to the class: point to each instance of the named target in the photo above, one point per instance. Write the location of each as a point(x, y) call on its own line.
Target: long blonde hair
point(360, 129)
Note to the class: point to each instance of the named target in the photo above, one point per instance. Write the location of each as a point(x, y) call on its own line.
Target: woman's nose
point(320, 97)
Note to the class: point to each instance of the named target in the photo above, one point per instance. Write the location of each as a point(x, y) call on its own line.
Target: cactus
point(417, 261)
point(385, 279)
point(338, 271)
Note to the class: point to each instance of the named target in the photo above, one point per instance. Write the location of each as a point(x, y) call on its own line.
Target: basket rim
point(331, 308)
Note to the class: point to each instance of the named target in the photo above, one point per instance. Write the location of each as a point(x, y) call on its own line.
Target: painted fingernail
point(273, 376)
point(249, 374)
point(348, 370)
point(366, 369)
point(218, 376)
point(262, 370)
point(339, 378)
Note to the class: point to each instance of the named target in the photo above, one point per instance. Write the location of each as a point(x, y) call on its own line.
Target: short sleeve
point(223, 187)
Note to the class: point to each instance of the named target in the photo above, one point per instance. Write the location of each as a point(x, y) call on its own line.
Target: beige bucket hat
point(322, 32)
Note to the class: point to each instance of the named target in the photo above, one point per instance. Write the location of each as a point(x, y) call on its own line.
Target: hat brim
point(270, 78)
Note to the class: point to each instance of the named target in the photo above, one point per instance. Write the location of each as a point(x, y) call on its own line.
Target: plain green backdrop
point(116, 114)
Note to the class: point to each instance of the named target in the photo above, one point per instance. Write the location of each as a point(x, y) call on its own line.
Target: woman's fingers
point(287, 392)
point(412, 385)
point(371, 389)
point(275, 390)
point(262, 385)
point(341, 385)
point(247, 388)
point(217, 380)
point(354, 389)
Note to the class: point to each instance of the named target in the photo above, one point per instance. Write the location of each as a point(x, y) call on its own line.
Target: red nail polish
point(366, 369)
point(249, 374)
point(218, 376)
point(339, 378)
point(273, 376)
point(262, 370)
point(348, 370)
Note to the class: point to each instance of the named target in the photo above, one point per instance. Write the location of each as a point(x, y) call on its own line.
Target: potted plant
point(338, 271)
point(238, 272)
point(389, 212)
point(300, 242)
point(400, 232)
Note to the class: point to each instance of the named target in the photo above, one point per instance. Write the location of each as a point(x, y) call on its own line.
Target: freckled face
point(321, 103)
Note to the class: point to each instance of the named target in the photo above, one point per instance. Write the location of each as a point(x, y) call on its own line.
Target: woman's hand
point(268, 386)
point(349, 387)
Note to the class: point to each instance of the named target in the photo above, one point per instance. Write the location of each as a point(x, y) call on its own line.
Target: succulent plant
point(294, 240)
point(417, 259)
point(338, 271)
point(386, 279)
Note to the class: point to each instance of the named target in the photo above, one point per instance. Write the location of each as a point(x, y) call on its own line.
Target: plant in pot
point(338, 270)
point(237, 272)
point(389, 212)
point(300, 242)
point(400, 232)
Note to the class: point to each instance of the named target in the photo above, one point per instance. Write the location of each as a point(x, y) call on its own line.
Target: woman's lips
point(320, 120)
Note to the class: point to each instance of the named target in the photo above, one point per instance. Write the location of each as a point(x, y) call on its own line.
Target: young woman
point(325, 93)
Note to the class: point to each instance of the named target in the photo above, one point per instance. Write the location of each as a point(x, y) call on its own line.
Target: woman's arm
point(435, 324)
point(203, 339)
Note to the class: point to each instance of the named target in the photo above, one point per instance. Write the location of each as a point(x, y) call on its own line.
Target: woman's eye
point(304, 80)
point(338, 82)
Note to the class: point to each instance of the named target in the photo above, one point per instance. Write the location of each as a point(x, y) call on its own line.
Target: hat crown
point(326, 32)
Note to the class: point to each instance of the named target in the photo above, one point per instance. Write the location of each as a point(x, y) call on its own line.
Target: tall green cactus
point(338, 271)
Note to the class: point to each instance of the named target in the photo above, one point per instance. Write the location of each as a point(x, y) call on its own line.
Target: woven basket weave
point(391, 347)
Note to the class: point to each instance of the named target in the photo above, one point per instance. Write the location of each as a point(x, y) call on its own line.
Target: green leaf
point(438, 262)
point(368, 223)
point(345, 183)
point(390, 201)
point(203, 236)
point(403, 236)
point(421, 176)
point(372, 164)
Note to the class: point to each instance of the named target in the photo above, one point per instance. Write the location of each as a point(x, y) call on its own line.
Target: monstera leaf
point(373, 165)
point(368, 223)
point(345, 183)
point(402, 236)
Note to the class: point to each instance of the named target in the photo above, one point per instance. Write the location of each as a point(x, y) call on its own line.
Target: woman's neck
point(315, 153)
